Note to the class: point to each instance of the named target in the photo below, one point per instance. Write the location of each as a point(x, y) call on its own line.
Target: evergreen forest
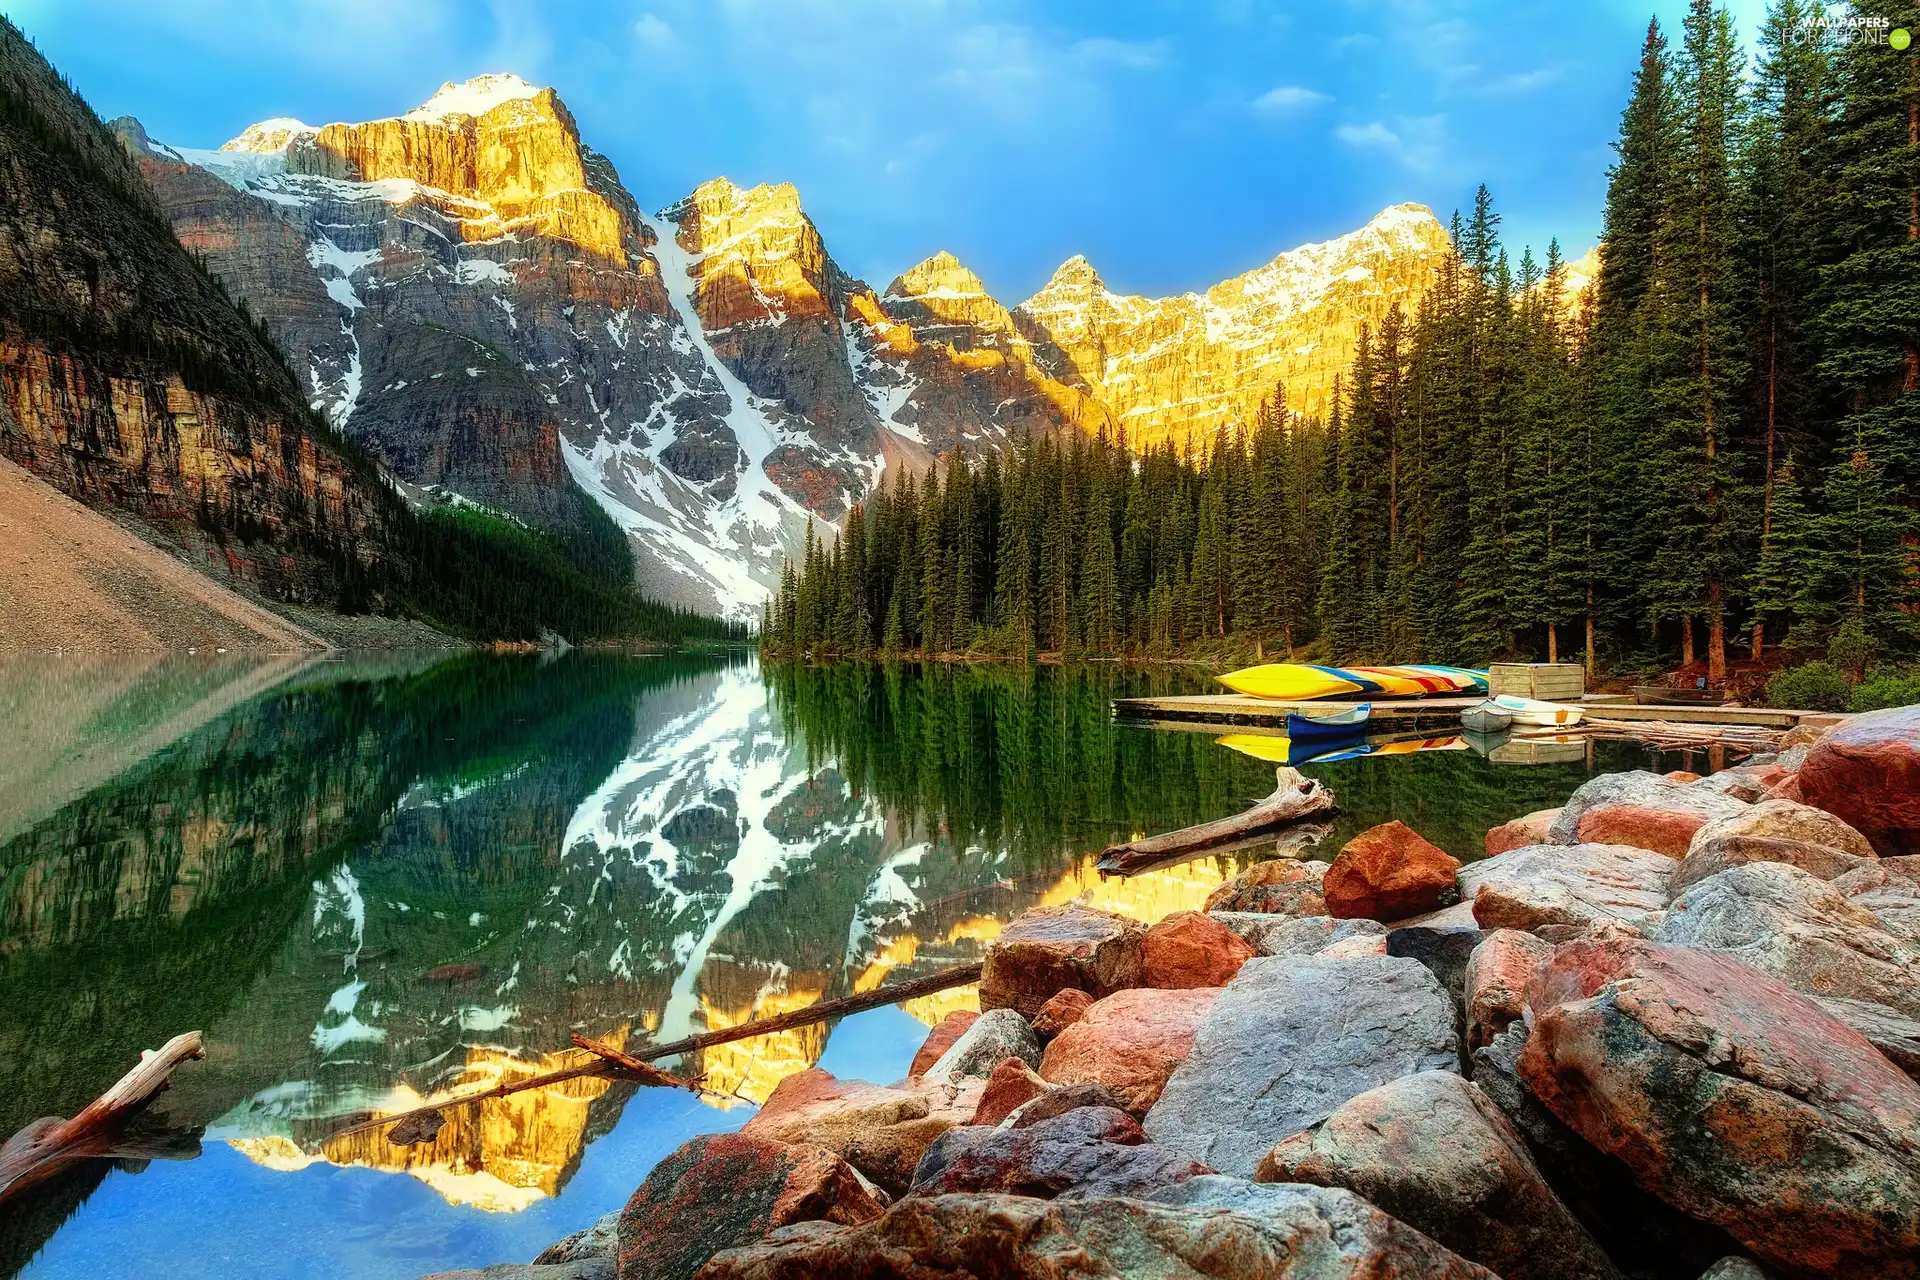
point(1710, 456)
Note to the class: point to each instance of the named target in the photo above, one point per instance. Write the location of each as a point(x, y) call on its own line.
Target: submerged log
point(632, 1065)
point(49, 1144)
point(1295, 798)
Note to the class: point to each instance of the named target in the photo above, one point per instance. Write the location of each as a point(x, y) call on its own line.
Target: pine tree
point(1698, 348)
point(1868, 327)
point(1783, 161)
point(1621, 372)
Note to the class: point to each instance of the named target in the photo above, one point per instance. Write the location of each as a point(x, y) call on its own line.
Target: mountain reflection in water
point(377, 887)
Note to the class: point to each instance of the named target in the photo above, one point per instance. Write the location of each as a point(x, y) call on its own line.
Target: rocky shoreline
point(1671, 1029)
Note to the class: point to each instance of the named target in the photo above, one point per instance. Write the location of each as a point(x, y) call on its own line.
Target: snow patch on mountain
point(473, 97)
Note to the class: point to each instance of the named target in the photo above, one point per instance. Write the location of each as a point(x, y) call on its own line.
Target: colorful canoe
point(1304, 682)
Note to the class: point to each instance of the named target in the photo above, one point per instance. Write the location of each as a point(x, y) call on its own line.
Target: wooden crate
point(1548, 681)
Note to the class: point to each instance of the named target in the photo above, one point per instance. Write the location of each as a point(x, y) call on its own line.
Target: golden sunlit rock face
point(501, 158)
point(1170, 368)
point(500, 1155)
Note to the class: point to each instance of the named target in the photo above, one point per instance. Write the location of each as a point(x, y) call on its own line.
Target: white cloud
point(1419, 143)
point(1370, 134)
point(1120, 53)
point(653, 33)
point(1289, 97)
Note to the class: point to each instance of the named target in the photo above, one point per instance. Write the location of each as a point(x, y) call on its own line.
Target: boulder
point(601, 1240)
point(1643, 1234)
point(1272, 935)
point(1294, 1234)
point(1280, 886)
point(880, 1131)
point(1734, 1269)
point(1607, 888)
point(1641, 809)
point(1735, 1099)
point(1290, 1039)
point(1457, 916)
point(1444, 951)
point(1010, 1086)
point(1893, 1034)
point(1890, 888)
point(1785, 820)
point(1866, 772)
point(1389, 872)
point(1090, 1151)
point(727, 1189)
point(1049, 949)
point(1749, 782)
point(1060, 1100)
point(1711, 857)
point(1801, 930)
point(1130, 1042)
point(1062, 1010)
point(1528, 829)
point(941, 1039)
point(1496, 982)
point(996, 1035)
point(1434, 1152)
point(1191, 949)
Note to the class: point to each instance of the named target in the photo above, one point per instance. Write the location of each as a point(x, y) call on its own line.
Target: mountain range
point(471, 292)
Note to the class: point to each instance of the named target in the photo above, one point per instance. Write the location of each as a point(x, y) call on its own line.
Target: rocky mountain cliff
point(128, 379)
point(470, 290)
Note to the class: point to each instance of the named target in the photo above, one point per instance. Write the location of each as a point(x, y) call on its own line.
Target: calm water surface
point(371, 885)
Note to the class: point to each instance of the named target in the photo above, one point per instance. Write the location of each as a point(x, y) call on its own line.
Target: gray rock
point(1600, 889)
point(1799, 929)
point(1435, 1152)
point(1290, 1039)
point(1086, 1152)
point(1273, 935)
point(1444, 951)
point(996, 1035)
point(1459, 916)
point(1638, 787)
point(1711, 856)
point(1313, 1213)
point(1300, 1233)
point(1890, 888)
point(601, 1240)
point(1735, 1268)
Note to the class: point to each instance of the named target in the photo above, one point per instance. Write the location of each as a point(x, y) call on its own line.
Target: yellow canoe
point(1303, 682)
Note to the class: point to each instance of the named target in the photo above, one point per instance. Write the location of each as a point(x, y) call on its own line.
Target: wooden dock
point(1432, 713)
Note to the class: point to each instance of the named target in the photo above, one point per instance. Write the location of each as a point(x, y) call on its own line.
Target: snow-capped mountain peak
point(269, 135)
point(473, 97)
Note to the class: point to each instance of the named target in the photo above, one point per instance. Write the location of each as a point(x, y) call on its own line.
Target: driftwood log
point(614, 1064)
point(48, 1145)
point(1295, 799)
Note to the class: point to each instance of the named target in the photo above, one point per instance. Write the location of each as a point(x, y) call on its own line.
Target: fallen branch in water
point(604, 1064)
point(1296, 797)
point(47, 1145)
point(649, 1075)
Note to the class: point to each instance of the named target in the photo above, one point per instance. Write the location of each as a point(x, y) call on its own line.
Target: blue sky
point(1174, 143)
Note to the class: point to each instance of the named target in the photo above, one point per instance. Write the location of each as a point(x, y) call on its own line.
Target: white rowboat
point(1534, 712)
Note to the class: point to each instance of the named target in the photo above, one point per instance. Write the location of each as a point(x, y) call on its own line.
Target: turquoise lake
point(372, 883)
